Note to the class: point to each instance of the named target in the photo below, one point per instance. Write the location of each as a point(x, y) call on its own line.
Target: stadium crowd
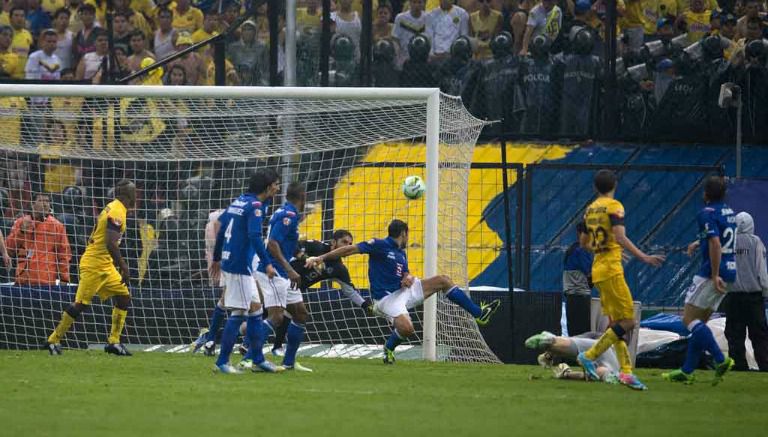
point(536, 65)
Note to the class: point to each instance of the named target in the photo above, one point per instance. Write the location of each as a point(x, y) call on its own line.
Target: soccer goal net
point(190, 151)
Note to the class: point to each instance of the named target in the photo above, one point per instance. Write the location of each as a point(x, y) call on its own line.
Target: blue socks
point(217, 317)
point(294, 336)
point(701, 340)
point(253, 328)
point(457, 296)
point(228, 338)
point(394, 340)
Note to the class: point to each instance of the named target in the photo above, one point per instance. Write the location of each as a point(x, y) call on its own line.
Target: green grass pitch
point(156, 394)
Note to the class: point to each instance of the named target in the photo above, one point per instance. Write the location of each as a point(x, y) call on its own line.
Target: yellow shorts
point(105, 283)
point(615, 298)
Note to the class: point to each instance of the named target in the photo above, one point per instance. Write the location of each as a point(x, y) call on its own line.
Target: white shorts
point(703, 294)
point(277, 291)
point(239, 291)
point(607, 359)
point(399, 302)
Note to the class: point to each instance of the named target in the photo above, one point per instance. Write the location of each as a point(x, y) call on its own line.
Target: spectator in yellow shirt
point(22, 39)
point(484, 24)
point(135, 18)
point(10, 62)
point(633, 23)
point(187, 18)
point(696, 21)
point(382, 26)
point(51, 6)
point(309, 17)
point(209, 29)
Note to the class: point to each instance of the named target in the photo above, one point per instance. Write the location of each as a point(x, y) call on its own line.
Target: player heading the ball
point(395, 290)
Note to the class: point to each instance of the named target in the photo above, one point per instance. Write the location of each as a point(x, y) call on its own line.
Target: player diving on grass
point(607, 237)
point(717, 241)
point(98, 275)
point(554, 347)
point(238, 239)
point(395, 290)
point(334, 270)
point(281, 291)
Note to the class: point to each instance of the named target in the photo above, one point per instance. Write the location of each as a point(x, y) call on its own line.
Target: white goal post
point(292, 103)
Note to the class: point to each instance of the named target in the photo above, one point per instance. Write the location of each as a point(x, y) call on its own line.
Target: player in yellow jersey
point(607, 238)
point(98, 275)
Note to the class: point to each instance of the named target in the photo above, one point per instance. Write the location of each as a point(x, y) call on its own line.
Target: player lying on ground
point(606, 365)
point(607, 235)
point(281, 290)
point(239, 238)
point(332, 270)
point(395, 290)
point(717, 241)
point(98, 275)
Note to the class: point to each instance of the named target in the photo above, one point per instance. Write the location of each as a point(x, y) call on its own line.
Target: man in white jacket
point(744, 308)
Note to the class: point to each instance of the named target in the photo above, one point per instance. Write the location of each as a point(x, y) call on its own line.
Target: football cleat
point(267, 366)
point(721, 369)
point(298, 367)
point(487, 311)
point(545, 360)
point(278, 352)
point(199, 341)
point(389, 356)
point(117, 349)
point(562, 371)
point(226, 369)
point(53, 349)
point(209, 348)
point(679, 376)
point(631, 381)
point(540, 340)
point(589, 367)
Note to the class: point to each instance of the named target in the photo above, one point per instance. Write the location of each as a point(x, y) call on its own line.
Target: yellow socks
point(118, 321)
point(622, 354)
point(61, 329)
point(606, 340)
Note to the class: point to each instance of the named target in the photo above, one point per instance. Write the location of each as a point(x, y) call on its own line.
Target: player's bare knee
point(404, 327)
point(299, 314)
point(445, 282)
point(255, 307)
point(122, 302)
point(276, 317)
point(75, 309)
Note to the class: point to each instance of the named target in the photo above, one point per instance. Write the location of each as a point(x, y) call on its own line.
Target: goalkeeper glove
point(367, 306)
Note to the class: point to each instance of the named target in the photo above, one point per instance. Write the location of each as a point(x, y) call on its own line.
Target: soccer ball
point(414, 187)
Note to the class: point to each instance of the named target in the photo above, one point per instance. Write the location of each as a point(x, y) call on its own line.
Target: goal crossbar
point(430, 96)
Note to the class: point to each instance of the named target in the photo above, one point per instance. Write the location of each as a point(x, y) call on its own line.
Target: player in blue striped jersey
point(238, 240)
point(281, 292)
point(395, 290)
point(717, 241)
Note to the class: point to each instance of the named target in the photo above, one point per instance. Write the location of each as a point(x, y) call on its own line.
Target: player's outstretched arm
point(338, 253)
point(620, 234)
point(113, 240)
